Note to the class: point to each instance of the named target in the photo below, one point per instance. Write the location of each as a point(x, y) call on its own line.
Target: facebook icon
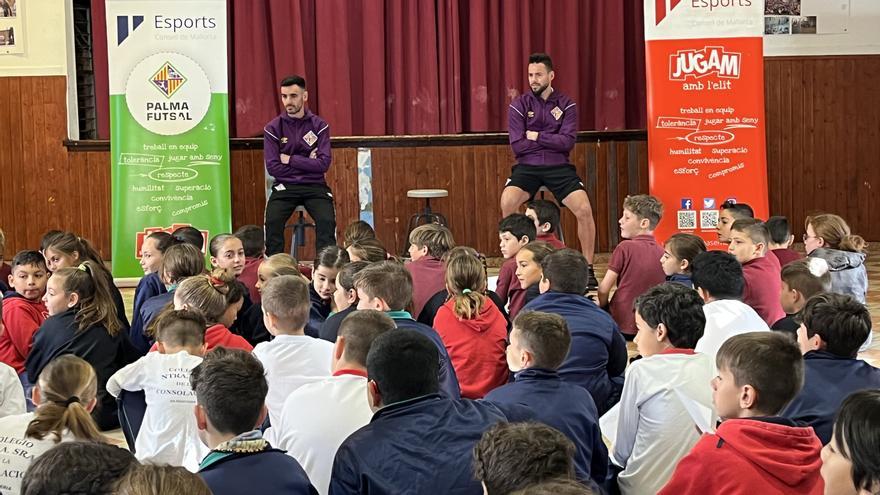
point(687, 204)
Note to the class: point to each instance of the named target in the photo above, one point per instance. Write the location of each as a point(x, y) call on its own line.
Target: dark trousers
point(318, 201)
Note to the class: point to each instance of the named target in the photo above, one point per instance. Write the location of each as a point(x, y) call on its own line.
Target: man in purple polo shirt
point(296, 150)
point(543, 127)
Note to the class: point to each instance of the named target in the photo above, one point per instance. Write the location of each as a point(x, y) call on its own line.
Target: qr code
point(708, 219)
point(687, 220)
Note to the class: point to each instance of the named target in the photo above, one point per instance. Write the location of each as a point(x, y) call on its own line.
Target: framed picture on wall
point(11, 27)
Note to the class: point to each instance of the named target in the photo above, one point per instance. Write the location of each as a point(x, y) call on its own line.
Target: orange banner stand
point(706, 141)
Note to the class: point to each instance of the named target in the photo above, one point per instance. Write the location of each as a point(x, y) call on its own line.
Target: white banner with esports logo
point(706, 142)
point(169, 121)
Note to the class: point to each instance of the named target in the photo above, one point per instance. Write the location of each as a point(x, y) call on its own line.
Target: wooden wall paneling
point(10, 160)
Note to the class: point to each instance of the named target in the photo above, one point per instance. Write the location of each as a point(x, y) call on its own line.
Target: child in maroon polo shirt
point(635, 263)
point(749, 239)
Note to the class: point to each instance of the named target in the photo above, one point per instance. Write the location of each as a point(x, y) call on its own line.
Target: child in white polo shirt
point(169, 434)
point(292, 358)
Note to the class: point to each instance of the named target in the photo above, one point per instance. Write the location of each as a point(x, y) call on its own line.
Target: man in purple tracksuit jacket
point(296, 149)
point(543, 127)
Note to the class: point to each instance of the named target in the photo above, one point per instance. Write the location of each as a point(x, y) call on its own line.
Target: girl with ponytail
point(82, 321)
point(67, 250)
point(65, 396)
point(829, 237)
point(218, 297)
point(472, 328)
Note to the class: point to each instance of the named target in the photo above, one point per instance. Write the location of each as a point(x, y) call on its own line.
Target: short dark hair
point(840, 320)
point(753, 228)
point(799, 275)
point(546, 336)
point(293, 80)
point(253, 239)
point(230, 384)
point(541, 58)
point(519, 226)
point(738, 210)
point(331, 257)
point(546, 212)
point(857, 434)
point(388, 281)
point(348, 272)
point(404, 364)
point(189, 235)
point(286, 297)
point(360, 329)
point(779, 229)
point(182, 328)
point(719, 274)
point(513, 456)
point(770, 362)
point(567, 270)
point(678, 308)
point(28, 258)
point(77, 467)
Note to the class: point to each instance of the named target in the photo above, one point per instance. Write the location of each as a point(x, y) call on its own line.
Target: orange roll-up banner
point(706, 143)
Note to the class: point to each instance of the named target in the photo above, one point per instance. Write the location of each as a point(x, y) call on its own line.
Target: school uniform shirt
point(449, 386)
point(168, 434)
point(298, 138)
point(786, 255)
point(509, 289)
point(598, 356)
point(249, 277)
point(637, 264)
point(17, 452)
point(318, 312)
point(848, 273)
point(766, 456)
point(291, 361)
point(107, 354)
point(330, 328)
point(654, 431)
point(149, 309)
point(681, 278)
point(11, 392)
point(218, 335)
point(21, 318)
point(555, 120)
point(476, 347)
point(317, 418)
point(149, 286)
point(247, 464)
point(828, 380)
point(421, 445)
point(252, 327)
point(724, 319)
point(428, 277)
point(762, 287)
point(550, 238)
point(564, 406)
point(787, 324)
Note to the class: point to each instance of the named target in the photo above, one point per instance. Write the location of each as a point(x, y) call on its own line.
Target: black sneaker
point(592, 283)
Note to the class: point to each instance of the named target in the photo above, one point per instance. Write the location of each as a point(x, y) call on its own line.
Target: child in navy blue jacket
point(598, 355)
point(231, 388)
point(834, 327)
point(539, 343)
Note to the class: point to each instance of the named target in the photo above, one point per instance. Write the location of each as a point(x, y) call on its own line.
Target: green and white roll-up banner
point(169, 121)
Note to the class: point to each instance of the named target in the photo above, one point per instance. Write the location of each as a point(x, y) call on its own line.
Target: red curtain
point(393, 67)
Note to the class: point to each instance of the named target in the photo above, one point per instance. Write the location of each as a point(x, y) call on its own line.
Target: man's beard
point(293, 109)
point(540, 90)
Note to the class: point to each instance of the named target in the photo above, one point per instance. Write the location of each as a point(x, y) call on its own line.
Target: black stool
point(426, 215)
point(299, 231)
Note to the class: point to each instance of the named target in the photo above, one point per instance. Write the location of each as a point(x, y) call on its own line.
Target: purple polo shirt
point(637, 264)
point(555, 120)
point(297, 138)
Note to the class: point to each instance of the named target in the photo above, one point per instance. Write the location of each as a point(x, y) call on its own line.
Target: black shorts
point(561, 180)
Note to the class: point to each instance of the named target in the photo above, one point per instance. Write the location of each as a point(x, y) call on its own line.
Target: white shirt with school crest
point(316, 419)
point(11, 392)
point(169, 434)
point(724, 319)
point(17, 452)
point(290, 362)
point(654, 431)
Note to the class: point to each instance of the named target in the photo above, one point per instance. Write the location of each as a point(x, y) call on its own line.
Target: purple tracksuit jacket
point(555, 120)
point(297, 138)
